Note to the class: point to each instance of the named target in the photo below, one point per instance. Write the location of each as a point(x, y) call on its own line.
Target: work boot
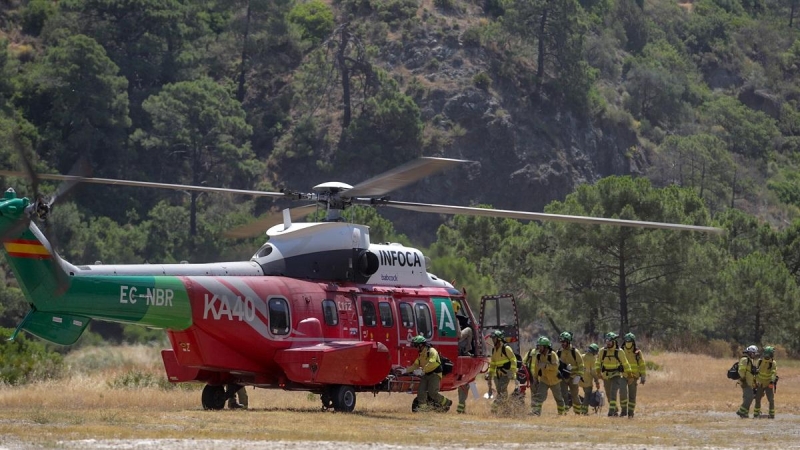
point(742, 415)
point(447, 404)
point(630, 414)
point(624, 413)
point(235, 405)
point(771, 416)
point(612, 413)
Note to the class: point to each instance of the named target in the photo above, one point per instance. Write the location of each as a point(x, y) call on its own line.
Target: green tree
point(80, 101)
point(315, 18)
point(625, 277)
point(202, 133)
point(747, 132)
point(700, 162)
point(758, 301)
point(555, 29)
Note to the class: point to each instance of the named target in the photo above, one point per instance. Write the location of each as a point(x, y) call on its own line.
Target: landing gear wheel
point(344, 398)
point(213, 397)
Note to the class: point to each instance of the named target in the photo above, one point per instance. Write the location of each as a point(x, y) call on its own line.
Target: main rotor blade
point(401, 176)
point(485, 212)
point(79, 171)
point(177, 187)
point(262, 224)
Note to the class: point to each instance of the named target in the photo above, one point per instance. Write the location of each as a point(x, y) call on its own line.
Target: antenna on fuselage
point(287, 219)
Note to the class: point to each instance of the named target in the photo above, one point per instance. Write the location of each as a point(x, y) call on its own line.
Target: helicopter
point(317, 308)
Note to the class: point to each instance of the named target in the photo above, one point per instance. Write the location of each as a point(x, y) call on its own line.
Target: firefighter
point(590, 380)
point(612, 366)
point(571, 357)
point(765, 382)
point(502, 368)
point(428, 367)
point(240, 393)
point(464, 331)
point(545, 368)
point(637, 375)
point(747, 380)
point(529, 362)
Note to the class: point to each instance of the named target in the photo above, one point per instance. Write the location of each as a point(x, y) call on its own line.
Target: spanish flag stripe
point(31, 249)
point(30, 255)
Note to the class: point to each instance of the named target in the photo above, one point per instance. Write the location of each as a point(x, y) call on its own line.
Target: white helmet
point(751, 349)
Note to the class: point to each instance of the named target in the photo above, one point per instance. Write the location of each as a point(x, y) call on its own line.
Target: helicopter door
point(407, 329)
point(368, 318)
point(348, 316)
point(499, 312)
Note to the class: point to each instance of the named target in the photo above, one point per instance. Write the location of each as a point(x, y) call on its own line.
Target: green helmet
point(630, 337)
point(565, 336)
point(418, 340)
point(543, 341)
point(594, 348)
point(611, 336)
point(498, 334)
point(769, 351)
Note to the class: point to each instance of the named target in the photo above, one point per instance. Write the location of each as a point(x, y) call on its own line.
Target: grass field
point(687, 403)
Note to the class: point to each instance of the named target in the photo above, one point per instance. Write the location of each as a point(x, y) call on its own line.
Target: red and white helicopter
point(317, 308)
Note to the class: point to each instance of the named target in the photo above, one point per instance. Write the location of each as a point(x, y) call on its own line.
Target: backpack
point(446, 365)
point(733, 372)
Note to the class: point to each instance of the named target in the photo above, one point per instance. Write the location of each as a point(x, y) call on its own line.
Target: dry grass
point(688, 403)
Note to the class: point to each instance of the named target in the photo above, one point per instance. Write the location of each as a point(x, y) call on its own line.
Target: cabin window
point(279, 316)
point(424, 323)
point(406, 315)
point(368, 313)
point(330, 313)
point(387, 320)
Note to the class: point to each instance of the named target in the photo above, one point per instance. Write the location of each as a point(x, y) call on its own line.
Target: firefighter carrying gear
point(545, 372)
point(612, 366)
point(502, 368)
point(573, 358)
point(766, 377)
point(747, 380)
point(591, 379)
point(431, 365)
point(638, 370)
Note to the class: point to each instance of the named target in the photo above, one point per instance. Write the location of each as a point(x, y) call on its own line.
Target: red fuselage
point(278, 332)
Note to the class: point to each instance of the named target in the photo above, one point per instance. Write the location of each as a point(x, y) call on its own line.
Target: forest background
point(648, 109)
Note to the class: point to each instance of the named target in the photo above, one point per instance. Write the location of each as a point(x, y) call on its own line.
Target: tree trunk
point(540, 57)
point(623, 290)
point(347, 114)
point(240, 91)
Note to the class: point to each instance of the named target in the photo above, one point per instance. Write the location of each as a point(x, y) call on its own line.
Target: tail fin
point(39, 270)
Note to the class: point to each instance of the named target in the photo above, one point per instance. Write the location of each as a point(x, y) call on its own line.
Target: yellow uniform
point(428, 391)
point(502, 369)
point(612, 366)
point(589, 380)
point(747, 380)
point(765, 385)
point(574, 359)
point(638, 372)
point(545, 372)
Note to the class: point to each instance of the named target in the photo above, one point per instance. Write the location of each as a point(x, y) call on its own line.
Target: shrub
point(482, 81)
point(25, 360)
point(471, 37)
point(315, 18)
point(395, 11)
point(35, 15)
